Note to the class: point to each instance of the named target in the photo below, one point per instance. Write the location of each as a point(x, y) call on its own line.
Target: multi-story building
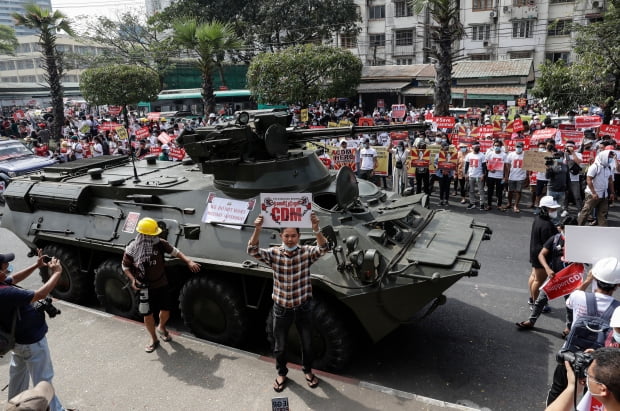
point(495, 30)
point(8, 7)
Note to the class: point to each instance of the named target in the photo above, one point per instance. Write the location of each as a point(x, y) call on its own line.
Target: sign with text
point(517, 125)
point(535, 161)
point(444, 121)
point(588, 121)
point(142, 133)
point(131, 222)
point(587, 244)
point(613, 131)
point(121, 131)
point(564, 281)
point(543, 134)
point(286, 209)
point(343, 157)
point(225, 210)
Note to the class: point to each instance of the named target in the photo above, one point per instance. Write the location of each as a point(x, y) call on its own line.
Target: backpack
point(105, 147)
point(590, 330)
point(7, 339)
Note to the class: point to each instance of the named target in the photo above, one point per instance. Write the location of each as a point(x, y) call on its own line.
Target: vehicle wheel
point(74, 285)
point(214, 310)
point(112, 291)
point(332, 341)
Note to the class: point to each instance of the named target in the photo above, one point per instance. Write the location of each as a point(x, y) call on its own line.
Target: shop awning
point(419, 91)
point(489, 93)
point(382, 87)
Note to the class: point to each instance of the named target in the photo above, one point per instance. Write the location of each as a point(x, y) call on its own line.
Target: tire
point(332, 340)
point(74, 284)
point(214, 310)
point(112, 291)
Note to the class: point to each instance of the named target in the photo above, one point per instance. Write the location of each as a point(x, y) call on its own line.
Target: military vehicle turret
point(390, 258)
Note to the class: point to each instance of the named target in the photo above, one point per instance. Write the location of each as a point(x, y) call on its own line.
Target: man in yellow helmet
point(144, 265)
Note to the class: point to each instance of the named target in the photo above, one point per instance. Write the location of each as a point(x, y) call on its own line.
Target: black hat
point(519, 144)
point(366, 140)
point(5, 258)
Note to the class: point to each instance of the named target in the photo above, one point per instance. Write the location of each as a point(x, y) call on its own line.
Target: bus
point(191, 100)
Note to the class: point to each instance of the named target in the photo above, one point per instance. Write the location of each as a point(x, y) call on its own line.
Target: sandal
point(165, 335)
point(280, 386)
point(152, 347)
point(524, 325)
point(313, 381)
point(516, 210)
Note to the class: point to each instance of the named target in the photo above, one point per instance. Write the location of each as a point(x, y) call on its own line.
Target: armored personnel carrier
point(390, 259)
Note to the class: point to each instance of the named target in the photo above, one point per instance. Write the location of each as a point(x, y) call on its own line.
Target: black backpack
point(105, 147)
point(7, 339)
point(590, 330)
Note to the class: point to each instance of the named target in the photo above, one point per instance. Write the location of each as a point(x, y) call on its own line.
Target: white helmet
point(549, 202)
point(607, 270)
point(615, 318)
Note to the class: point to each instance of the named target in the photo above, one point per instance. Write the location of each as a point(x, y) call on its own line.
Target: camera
point(45, 305)
point(47, 259)
point(578, 361)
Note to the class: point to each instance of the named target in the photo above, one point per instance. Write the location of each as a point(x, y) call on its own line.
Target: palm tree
point(210, 42)
point(448, 30)
point(48, 23)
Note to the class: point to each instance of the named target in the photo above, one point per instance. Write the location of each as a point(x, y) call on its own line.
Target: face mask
point(497, 149)
point(519, 150)
point(464, 149)
point(542, 150)
point(553, 214)
point(366, 145)
point(617, 336)
point(287, 248)
point(444, 140)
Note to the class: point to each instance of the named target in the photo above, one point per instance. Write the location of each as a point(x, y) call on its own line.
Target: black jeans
point(283, 318)
point(494, 185)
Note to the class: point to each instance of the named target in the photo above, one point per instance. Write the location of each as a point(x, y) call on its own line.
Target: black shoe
point(471, 206)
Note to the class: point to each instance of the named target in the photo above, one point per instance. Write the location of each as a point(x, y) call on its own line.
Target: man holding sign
point(292, 292)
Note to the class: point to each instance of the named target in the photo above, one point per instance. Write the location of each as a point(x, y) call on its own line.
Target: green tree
point(447, 30)
point(8, 41)
point(132, 42)
point(209, 43)
point(119, 85)
point(48, 24)
point(304, 74)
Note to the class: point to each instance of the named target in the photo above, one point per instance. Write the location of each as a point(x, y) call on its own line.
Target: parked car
point(15, 160)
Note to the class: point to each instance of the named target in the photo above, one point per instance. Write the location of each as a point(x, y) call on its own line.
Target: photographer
point(602, 381)
point(557, 174)
point(573, 159)
point(31, 356)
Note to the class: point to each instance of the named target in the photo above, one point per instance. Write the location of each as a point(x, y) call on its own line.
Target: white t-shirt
point(495, 164)
point(574, 177)
point(97, 150)
point(517, 172)
point(600, 179)
point(577, 302)
point(77, 150)
point(367, 156)
point(475, 164)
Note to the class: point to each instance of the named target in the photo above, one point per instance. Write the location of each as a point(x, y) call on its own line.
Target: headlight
point(12, 174)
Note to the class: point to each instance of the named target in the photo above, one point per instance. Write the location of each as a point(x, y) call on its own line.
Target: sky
point(108, 8)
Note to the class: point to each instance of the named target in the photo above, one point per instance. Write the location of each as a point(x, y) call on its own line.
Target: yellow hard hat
point(148, 226)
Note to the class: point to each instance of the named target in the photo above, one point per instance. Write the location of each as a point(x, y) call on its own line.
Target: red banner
point(398, 111)
point(142, 133)
point(574, 135)
point(543, 134)
point(177, 153)
point(19, 115)
point(444, 121)
point(517, 125)
point(163, 137)
point(613, 131)
point(420, 158)
point(588, 121)
point(564, 281)
point(115, 110)
point(109, 125)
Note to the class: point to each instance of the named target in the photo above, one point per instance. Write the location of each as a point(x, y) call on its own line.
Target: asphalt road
point(468, 351)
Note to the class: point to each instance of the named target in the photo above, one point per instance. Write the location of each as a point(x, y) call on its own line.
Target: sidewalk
point(100, 364)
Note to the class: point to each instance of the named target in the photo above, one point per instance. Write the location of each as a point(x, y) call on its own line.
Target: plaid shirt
point(291, 274)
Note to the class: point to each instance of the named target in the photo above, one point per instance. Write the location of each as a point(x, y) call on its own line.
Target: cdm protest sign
point(226, 210)
point(286, 209)
point(564, 281)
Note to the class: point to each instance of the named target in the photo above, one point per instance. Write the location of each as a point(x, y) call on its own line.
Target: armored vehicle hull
point(389, 257)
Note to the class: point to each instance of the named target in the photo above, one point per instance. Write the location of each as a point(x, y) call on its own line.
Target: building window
point(12, 79)
point(23, 48)
point(376, 12)
point(482, 4)
point(28, 79)
point(376, 62)
point(480, 57)
point(7, 65)
point(522, 29)
point(404, 61)
point(377, 40)
point(558, 55)
point(559, 28)
point(25, 64)
point(348, 41)
point(524, 3)
point(561, 1)
point(481, 32)
point(404, 38)
point(521, 54)
point(402, 9)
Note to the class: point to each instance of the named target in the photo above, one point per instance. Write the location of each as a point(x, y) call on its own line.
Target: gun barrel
point(321, 133)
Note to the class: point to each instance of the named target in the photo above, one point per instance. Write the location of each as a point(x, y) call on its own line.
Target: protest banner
point(564, 281)
point(177, 153)
point(142, 133)
point(535, 161)
point(382, 161)
point(121, 131)
point(164, 138)
point(588, 121)
point(343, 157)
point(542, 135)
point(225, 210)
point(286, 209)
point(612, 130)
point(444, 121)
point(589, 244)
point(517, 125)
point(447, 160)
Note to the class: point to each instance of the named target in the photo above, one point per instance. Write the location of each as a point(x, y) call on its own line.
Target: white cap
point(212, 115)
point(165, 147)
point(615, 318)
point(549, 202)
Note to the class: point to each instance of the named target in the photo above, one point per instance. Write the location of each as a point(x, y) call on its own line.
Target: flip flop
point(152, 347)
point(516, 210)
point(280, 386)
point(523, 326)
point(313, 381)
point(165, 335)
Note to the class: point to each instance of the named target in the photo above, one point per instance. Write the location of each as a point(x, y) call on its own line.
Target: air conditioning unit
point(493, 14)
point(596, 4)
point(487, 44)
point(507, 9)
